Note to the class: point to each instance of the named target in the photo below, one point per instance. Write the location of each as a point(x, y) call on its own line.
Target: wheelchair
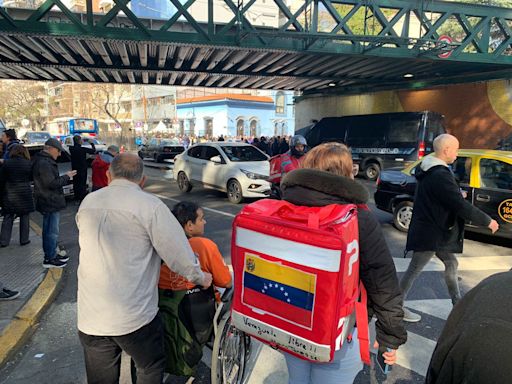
point(231, 347)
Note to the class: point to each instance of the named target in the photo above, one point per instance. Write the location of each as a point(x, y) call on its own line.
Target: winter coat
point(100, 166)
point(311, 187)
point(474, 347)
point(440, 210)
point(16, 175)
point(7, 148)
point(48, 184)
point(79, 157)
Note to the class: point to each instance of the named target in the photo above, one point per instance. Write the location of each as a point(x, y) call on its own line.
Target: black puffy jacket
point(48, 184)
point(16, 176)
point(315, 188)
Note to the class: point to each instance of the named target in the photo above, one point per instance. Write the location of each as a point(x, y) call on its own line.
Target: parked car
point(33, 137)
point(86, 142)
point(505, 144)
point(382, 140)
point(161, 149)
point(239, 169)
point(485, 175)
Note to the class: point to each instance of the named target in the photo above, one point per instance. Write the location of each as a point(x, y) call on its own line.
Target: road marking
point(439, 308)
point(481, 263)
point(205, 208)
point(415, 354)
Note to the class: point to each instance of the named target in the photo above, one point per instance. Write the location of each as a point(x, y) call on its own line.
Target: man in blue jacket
point(437, 225)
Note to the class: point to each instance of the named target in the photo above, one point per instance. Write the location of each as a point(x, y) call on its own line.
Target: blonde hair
point(330, 157)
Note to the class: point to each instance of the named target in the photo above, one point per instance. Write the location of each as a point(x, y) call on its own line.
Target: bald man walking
point(437, 225)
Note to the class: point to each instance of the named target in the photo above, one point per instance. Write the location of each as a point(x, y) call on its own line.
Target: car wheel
point(183, 182)
point(402, 215)
point(234, 192)
point(372, 171)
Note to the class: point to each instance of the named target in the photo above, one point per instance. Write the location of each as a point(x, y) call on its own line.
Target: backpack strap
point(362, 325)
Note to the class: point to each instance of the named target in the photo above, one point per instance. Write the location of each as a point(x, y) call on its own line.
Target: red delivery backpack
point(297, 282)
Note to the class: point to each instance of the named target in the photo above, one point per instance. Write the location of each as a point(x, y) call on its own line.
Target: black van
point(381, 140)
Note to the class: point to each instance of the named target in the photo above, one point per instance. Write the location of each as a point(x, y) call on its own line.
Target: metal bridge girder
point(104, 46)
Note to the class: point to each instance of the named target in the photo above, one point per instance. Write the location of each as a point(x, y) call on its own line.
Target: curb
point(24, 322)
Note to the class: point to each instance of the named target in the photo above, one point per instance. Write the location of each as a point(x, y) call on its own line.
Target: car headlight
point(254, 176)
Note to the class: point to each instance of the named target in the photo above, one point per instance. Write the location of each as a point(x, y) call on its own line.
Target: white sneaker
point(411, 317)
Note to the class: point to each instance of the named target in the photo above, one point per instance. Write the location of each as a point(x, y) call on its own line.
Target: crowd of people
point(144, 269)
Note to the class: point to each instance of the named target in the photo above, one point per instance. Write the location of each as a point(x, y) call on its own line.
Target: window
point(462, 169)
point(495, 174)
point(243, 153)
point(211, 152)
point(240, 127)
point(280, 103)
point(208, 127)
point(195, 152)
point(403, 131)
point(367, 131)
point(254, 128)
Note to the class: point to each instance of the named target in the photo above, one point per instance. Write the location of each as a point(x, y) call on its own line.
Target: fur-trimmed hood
point(312, 187)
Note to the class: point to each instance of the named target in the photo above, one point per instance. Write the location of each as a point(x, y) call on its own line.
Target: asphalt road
point(56, 335)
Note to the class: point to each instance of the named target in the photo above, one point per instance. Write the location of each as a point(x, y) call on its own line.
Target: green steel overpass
point(315, 46)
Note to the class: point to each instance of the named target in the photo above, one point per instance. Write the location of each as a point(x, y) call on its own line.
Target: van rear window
point(403, 131)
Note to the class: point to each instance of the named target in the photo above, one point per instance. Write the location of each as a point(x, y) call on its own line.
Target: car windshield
point(243, 153)
point(38, 136)
point(169, 142)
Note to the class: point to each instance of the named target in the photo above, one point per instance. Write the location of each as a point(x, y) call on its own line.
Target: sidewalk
point(21, 270)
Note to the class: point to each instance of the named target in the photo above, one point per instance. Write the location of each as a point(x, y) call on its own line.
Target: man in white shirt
point(124, 233)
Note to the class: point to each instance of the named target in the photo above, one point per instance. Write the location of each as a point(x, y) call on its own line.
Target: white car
point(239, 169)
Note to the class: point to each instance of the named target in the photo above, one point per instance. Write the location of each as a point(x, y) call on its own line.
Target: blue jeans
point(342, 370)
point(51, 223)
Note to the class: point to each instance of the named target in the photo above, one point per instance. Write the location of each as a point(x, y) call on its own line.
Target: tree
point(23, 100)
point(108, 98)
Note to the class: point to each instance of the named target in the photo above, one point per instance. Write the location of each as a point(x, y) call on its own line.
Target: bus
point(65, 126)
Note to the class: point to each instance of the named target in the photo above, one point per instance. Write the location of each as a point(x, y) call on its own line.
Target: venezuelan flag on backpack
point(286, 292)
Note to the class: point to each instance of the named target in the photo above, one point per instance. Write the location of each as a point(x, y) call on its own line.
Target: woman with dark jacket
point(326, 178)
point(16, 176)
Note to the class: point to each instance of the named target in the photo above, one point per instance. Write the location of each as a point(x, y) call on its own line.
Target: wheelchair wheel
point(230, 353)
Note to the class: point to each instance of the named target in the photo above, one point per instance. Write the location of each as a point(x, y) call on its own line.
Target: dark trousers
point(420, 260)
point(80, 184)
point(5, 234)
point(145, 346)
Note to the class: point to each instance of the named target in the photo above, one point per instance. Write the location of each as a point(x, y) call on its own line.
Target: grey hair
point(127, 166)
point(113, 149)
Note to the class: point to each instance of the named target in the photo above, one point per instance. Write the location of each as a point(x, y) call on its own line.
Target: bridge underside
point(56, 44)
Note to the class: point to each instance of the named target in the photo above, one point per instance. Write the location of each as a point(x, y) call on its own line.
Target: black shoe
point(25, 243)
point(4, 245)
point(63, 259)
point(7, 294)
point(54, 263)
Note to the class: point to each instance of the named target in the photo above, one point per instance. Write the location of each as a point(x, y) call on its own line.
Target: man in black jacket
point(50, 199)
point(437, 225)
point(474, 347)
point(79, 163)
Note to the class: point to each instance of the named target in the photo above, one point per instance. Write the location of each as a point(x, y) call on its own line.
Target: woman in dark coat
point(16, 176)
point(325, 178)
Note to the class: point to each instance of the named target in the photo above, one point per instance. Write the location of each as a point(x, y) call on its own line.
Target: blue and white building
point(236, 115)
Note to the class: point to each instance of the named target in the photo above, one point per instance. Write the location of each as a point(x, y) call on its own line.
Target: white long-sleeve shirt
point(123, 234)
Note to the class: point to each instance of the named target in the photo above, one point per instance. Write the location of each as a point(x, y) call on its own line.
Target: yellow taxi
point(485, 175)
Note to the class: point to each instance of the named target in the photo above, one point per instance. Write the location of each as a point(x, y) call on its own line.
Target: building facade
point(232, 115)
